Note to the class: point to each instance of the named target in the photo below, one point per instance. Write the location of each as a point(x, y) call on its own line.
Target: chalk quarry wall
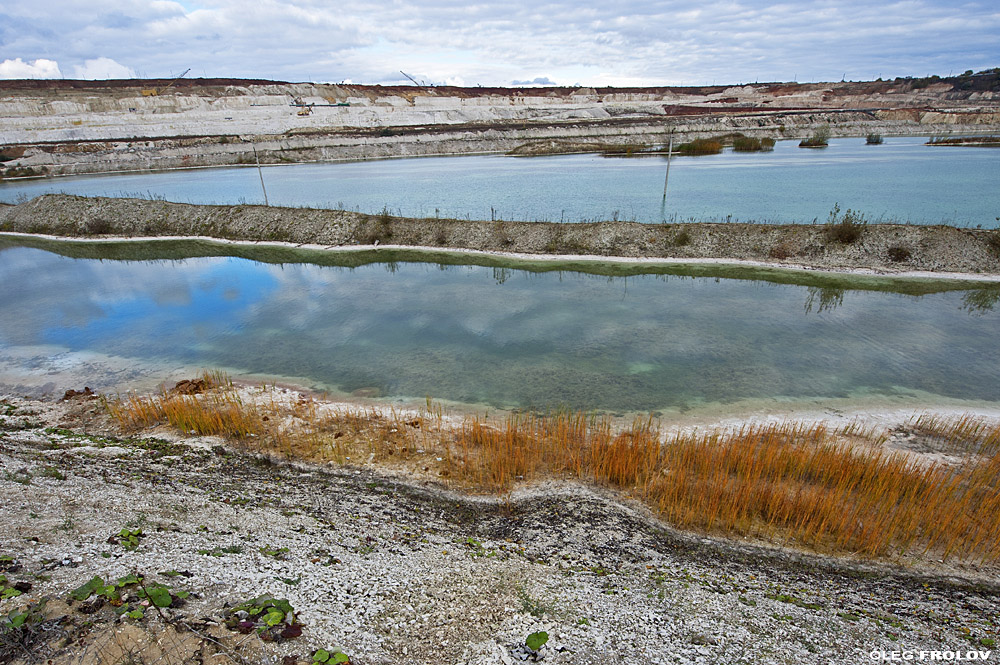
point(66, 130)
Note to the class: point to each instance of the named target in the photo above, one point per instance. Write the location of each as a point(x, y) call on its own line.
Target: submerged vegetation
point(819, 139)
point(709, 146)
point(713, 145)
point(989, 141)
point(753, 144)
point(833, 490)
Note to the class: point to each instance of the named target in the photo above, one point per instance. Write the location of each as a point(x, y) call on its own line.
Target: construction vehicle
point(421, 84)
point(304, 108)
point(153, 92)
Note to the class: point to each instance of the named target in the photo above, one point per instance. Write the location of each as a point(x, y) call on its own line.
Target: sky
point(517, 42)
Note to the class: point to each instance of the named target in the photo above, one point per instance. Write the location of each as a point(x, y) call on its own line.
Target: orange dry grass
point(526, 445)
point(966, 433)
point(790, 481)
point(800, 482)
point(219, 414)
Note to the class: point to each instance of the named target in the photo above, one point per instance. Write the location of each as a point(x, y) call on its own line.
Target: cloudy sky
point(589, 42)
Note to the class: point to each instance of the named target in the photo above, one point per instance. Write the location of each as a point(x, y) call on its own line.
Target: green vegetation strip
point(178, 249)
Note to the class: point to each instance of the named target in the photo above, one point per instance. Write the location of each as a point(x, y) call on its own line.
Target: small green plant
point(222, 551)
point(819, 139)
point(476, 549)
point(52, 472)
point(532, 606)
point(24, 619)
point(987, 642)
point(682, 238)
point(873, 139)
point(273, 552)
point(127, 538)
point(332, 656)
point(129, 595)
point(271, 618)
point(10, 589)
point(19, 477)
point(536, 641)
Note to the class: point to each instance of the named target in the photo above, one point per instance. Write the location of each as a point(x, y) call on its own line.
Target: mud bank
point(889, 249)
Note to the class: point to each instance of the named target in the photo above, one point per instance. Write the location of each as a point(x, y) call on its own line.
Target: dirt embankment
point(846, 245)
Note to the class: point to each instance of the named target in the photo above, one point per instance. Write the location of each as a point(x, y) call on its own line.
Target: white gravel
point(395, 571)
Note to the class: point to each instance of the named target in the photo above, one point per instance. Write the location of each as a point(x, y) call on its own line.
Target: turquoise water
point(901, 180)
point(508, 337)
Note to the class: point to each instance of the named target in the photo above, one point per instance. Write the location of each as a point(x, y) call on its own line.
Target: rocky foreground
point(204, 543)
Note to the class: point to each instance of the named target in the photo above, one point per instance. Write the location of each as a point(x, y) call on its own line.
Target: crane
point(153, 92)
point(410, 77)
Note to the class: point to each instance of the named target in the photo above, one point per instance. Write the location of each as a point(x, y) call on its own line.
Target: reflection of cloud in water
point(127, 304)
point(541, 338)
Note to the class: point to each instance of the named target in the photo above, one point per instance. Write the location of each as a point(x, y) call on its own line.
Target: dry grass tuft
point(217, 412)
point(966, 433)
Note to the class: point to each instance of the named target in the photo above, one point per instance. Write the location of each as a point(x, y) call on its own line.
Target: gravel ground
point(396, 570)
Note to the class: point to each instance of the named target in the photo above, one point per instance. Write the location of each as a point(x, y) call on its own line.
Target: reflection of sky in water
point(181, 313)
point(900, 180)
point(505, 337)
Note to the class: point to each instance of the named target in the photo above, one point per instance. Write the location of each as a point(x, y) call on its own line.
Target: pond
point(902, 180)
point(634, 338)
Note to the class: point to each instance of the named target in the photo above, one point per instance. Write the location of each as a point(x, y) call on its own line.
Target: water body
point(507, 337)
point(902, 180)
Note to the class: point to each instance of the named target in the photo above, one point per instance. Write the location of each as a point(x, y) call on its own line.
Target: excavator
point(153, 92)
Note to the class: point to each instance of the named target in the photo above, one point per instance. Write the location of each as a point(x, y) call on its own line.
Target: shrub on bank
point(846, 229)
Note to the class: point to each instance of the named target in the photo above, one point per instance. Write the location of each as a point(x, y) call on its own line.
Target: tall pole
point(670, 153)
point(261, 174)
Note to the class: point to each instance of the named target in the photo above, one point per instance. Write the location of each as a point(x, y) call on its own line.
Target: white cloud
point(653, 42)
point(539, 81)
point(36, 69)
point(102, 68)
